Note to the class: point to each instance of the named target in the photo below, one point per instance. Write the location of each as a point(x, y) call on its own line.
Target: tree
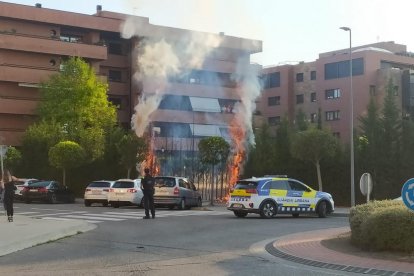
point(13, 159)
point(313, 145)
point(132, 150)
point(66, 155)
point(213, 150)
point(76, 100)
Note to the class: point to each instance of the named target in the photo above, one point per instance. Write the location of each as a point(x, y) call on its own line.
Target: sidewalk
point(26, 232)
point(306, 248)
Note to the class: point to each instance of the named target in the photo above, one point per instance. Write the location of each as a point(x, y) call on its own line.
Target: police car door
point(302, 197)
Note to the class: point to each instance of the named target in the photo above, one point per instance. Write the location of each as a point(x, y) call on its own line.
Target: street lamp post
point(347, 29)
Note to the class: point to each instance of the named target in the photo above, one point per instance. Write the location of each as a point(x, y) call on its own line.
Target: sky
point(291, 30)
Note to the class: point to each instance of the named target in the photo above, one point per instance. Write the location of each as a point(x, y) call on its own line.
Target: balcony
point(24, 74)
point(36, 44)
point(177, 116)
point(23, 107)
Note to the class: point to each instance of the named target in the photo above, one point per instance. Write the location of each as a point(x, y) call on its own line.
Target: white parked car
point(97, 192)
point(126, 192)
point(20, 184)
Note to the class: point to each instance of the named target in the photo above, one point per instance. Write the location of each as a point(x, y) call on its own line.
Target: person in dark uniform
point(147, 186)
point(9, 189)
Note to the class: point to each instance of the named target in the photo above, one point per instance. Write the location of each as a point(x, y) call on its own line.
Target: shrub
point(382, 225)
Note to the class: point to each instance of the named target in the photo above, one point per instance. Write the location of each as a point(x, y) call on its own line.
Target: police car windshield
point(122, 184)
point(246, 185)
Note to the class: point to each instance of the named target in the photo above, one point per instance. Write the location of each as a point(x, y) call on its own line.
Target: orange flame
point(238, 135)
point(151, 161)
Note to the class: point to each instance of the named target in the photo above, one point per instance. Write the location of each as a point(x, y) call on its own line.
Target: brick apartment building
point(34, 40)
point(325, 84)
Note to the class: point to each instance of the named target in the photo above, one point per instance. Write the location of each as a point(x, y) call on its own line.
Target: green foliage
point(382, 225)
point(13, 159)
point(76, 98)
point(213, 150)
point(313, 145)
point(93, 141)
point(132, 150)
point(66, 154)
point(301, 121)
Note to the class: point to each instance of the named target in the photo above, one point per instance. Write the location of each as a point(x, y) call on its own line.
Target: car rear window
point(18, 182)
point(99, 184)
point(123, 184)
point(40, 184)
point(246, 185)
point(164, 181)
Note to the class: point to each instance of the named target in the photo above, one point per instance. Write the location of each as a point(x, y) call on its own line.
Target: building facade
point(322, 87)
point(35, 40)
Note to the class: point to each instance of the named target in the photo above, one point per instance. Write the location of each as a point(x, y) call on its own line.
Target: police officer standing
point(147, 186)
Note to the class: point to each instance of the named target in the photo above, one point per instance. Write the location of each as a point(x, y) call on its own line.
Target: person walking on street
point(147, 186)
point(9, 189)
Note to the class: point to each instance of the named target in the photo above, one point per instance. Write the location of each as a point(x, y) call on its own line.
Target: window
point(313, 97)
point(115, 48)
point(271, 101)
point(274, 121)
point(279, 185)
point(299, 99)
point(313, 75)
point(372, 91)
point(313, 117)
point(114, 75)
point(117, 102)
point(299, 77)
point(340, 69)
point(70, 38)
point(332, 94)
point(296, 186)
point(332, 115)
point(271, 80)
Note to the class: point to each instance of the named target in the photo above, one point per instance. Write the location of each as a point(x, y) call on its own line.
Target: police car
point(271, 195)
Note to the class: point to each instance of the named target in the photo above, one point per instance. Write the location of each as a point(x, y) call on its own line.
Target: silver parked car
point(97, 192)
point(171, 191)
point(126, 192)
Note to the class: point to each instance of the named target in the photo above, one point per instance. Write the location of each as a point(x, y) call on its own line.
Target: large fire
point(238, 136)
point(151, 161)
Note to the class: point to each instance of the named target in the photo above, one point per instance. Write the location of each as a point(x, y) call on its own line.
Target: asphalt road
point(175, 243)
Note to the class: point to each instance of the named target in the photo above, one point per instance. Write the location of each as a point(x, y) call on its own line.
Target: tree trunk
point(64, 177)
point(318, 171)
point(129, 173)
point(212, 187)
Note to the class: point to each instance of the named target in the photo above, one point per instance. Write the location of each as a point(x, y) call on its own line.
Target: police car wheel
point(240, 214)
point(322, 209)
point(295, 215)
point(268, 209)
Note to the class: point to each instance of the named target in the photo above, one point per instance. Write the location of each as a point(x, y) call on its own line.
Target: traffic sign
point(407, 193)
point(365, 185)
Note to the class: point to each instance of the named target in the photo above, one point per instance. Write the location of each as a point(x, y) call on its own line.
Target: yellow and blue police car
point(271, 195)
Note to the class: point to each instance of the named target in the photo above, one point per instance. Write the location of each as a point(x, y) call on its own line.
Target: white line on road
point(58, 214)
point(54, 218)
point(92, 217)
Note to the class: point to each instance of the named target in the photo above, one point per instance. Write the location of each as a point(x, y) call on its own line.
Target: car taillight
point(106, 190)
point(176, 191)
point(131, 190)
point(88, 190)
point(251, 191)
point(111, 190)
point(42, 190)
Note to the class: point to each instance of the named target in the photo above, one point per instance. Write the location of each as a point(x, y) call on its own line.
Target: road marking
point(51, 209)
point(58, 214)
point(67, 219)
point(26, 213)
point(92, 217)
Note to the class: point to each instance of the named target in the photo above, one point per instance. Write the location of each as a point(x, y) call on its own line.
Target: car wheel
point(52, 199)
point(240, 214)
point(295, 215)
point(115, 205)
point(105, 204)
point(199, 203)
point(87, 203)
point(181, 206)
point(322, 209)
point(171, 207)
point(27, 201)
point(268, 209)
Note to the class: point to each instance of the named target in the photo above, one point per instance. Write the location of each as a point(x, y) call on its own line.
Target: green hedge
point(382, 225)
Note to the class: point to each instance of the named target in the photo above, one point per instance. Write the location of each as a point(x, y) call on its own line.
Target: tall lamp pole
point(347, 29)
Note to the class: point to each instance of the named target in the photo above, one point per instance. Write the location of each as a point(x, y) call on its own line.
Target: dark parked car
point(49, 191)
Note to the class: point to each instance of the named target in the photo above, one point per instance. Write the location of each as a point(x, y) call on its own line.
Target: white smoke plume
point(158, 59)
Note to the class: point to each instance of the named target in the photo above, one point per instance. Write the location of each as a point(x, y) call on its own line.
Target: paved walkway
point(306, 248)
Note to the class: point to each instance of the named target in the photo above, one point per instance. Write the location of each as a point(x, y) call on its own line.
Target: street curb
point(27, 232)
